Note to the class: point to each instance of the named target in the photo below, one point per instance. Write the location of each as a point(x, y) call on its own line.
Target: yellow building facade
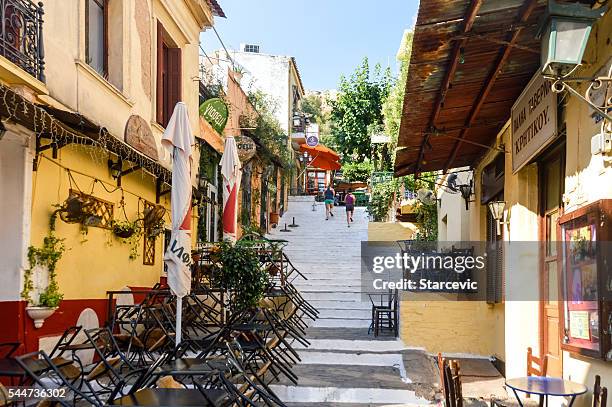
point(112, 72)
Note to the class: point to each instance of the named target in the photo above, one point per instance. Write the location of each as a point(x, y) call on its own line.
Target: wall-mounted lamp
point(117, 171)
point(115, 168)
point(497, 209)
point(564, 37)
point(565, 33)
point(466, 193)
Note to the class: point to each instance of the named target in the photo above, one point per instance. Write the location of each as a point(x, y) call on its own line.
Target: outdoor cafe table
point(546, 386)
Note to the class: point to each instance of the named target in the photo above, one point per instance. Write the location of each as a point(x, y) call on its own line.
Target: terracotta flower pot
point(274, 218)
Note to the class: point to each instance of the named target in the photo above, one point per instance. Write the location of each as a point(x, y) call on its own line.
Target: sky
point(328, 38)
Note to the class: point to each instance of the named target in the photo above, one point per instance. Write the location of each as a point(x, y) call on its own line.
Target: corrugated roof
point(430, 134)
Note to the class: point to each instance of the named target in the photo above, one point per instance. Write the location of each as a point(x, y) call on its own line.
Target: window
point(168, 75)
point(251, 48)
point(96, 35)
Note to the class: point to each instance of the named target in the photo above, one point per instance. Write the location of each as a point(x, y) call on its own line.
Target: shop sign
point(379, 138)
point(246, 148)
point(534, 121)
point(381, 176)
point(138, 135)
point(312, 140)
point(215, 112)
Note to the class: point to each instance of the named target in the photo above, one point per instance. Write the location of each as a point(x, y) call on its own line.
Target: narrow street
point(344, 364)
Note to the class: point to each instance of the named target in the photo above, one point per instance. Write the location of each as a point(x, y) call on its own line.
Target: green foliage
point(46, 256)
point(312, 105)
point(239, 271)
point(358, 106)
point(382, 198)
point(427, 218)
point(134, 239)
point(267, 130)
point(392, 108)
point(357, 171)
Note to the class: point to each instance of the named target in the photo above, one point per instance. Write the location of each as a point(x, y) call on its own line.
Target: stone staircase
point(344, 366)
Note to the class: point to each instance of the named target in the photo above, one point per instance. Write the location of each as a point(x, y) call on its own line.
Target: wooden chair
point(536, 366)
point(600, 394)
point(451, 377)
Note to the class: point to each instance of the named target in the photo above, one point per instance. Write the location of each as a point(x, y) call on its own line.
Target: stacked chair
point(226, 357)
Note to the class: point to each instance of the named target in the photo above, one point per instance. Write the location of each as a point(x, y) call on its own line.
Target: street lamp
point(565, 34)
point(497, 209)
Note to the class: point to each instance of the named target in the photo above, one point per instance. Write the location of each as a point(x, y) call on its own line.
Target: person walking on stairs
point(329, 201)
point(349, 202)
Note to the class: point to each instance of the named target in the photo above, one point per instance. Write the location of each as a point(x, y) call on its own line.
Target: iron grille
point(21, 35)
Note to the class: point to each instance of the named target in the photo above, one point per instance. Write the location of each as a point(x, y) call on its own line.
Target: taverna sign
point(215, 112)
point(534, 121)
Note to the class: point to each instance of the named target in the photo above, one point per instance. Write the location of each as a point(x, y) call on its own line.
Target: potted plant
point(43, 260)
point(237, 269)
point(274, 218)
point(238, 73)
point(156, 229)
point(124, 229)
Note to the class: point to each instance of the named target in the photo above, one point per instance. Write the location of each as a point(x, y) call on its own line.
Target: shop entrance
point(552, 176)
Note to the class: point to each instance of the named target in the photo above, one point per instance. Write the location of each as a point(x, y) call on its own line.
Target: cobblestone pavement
point(344, 366)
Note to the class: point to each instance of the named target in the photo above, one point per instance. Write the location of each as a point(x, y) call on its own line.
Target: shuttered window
point(168, 75)
point(495, 262)
point(96, 35)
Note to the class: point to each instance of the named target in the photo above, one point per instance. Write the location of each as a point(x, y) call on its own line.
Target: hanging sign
point(215, 112)
point(138, 135)
point(312, 140)
point(534, 121)
point(246, 148)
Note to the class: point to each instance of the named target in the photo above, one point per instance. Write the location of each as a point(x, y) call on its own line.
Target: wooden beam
point(524, 13)
point(469, 19)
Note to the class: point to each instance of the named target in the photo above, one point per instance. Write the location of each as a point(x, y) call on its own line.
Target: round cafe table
point(546, 386)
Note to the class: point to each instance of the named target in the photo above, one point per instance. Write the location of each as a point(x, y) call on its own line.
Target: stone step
point(337, 305)
point(372, 345)
point(345, 313)
point(331, 288)
point(346, 334)
point(331, 296)
point(340, 323)
point(348, 384)
point(315, 357)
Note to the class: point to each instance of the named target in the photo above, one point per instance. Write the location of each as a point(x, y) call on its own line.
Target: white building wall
point(15, 204)
point(453, 218)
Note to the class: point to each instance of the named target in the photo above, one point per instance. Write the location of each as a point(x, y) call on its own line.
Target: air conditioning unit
point(601, 143)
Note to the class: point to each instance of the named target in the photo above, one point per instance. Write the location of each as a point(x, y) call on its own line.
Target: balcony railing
point(21, 35)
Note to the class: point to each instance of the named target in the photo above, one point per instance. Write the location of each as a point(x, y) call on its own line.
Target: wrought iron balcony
point(21, 35)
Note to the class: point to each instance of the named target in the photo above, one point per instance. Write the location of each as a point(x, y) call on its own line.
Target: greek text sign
point(246, 148)
point(534, 121)
point(215, 112)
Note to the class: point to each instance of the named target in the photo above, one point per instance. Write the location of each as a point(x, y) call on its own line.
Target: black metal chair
point(385, 313)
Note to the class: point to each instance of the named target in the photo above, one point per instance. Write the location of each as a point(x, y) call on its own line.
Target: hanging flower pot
point(75, 208)
point(124, 230)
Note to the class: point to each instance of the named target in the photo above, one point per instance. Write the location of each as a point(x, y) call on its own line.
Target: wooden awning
point(470, 61)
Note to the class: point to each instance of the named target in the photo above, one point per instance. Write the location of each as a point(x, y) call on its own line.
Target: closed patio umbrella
point(232, 173)
point(178, 139)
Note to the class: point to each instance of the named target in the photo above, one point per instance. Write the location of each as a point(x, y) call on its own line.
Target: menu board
point(581, 283)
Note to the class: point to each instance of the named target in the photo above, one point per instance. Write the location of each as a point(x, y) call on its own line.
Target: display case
point(586, 283)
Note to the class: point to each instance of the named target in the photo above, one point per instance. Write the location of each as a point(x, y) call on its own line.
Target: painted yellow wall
point(95, 262)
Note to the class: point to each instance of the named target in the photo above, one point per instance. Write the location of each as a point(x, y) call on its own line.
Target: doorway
point(551, 181)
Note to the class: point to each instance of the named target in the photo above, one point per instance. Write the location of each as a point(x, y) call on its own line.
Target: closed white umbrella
point(231, 170)
point(178, 139)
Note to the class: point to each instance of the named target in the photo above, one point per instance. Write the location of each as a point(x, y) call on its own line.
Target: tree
point(357, 107)
point(392, 108)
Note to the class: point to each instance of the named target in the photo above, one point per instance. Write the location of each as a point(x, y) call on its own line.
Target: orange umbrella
point(322, 157)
